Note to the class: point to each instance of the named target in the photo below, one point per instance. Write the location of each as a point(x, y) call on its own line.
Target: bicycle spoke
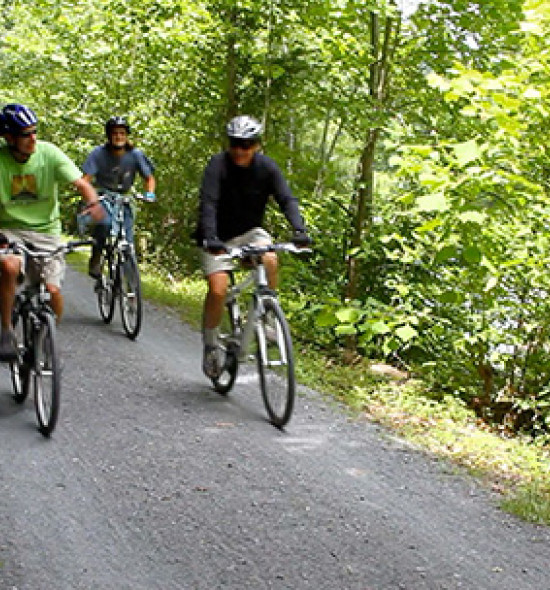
point(19, 369)
point(130, 296)
point(105, 288)
point(275, 363)
point(228, 353)
point(46, 378)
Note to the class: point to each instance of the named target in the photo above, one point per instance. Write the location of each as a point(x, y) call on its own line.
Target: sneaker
point(211, 365)
point(8, 346)
point(94, 265)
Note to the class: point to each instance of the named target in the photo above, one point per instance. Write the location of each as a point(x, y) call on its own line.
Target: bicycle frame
point(121, 279)
point(265, 323)
point(117, 235)
point(37, 364)
point(257, 277)
point(36, 294)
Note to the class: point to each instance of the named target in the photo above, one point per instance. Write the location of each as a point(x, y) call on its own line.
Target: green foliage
point(531, 502)
point(472, 216)
point(453, 279)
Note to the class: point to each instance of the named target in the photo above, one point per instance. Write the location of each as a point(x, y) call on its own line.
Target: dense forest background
point(413, 133)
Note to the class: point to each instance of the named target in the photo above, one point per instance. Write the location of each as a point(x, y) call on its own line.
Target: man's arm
point(146, 170)
point(209, 197)
point(287, 202)
point(88, 193)
point(149, 184)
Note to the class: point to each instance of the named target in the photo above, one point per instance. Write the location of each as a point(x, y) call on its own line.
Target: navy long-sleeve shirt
point(233, 199)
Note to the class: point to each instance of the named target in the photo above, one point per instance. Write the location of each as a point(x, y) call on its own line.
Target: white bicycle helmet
point(244, 127)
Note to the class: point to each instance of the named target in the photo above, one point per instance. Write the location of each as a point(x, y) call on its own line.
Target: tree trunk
point(268, 78)
point(326, 152)
point(231, 68)
point(363, 212)
point(363, 207)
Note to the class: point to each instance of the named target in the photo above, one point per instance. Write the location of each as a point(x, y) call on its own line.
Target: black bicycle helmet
point(16, 117)
point(244, 127)
point(116, 122)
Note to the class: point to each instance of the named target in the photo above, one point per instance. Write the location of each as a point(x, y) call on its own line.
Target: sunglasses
point(28, 133)
point(245, 144)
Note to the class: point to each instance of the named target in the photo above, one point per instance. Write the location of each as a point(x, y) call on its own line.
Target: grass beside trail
point(517, 468)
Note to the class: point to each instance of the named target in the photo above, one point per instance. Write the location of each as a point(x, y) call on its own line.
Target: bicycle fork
point(249, 329)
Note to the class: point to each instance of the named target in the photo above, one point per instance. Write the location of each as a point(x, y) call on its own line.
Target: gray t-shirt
point(117, 173)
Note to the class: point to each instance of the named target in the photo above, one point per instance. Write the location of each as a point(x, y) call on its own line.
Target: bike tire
point(20, 370)
point(275, 362)
point(228, 353)
point(45, 375)
point(106, 289)
point(131, 309)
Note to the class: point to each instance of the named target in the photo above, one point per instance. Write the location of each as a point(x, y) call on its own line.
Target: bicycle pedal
point(245, 357)
point(233, 348)
point(230, 362)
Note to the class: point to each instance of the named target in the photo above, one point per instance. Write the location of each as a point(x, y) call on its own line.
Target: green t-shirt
point(29, 191)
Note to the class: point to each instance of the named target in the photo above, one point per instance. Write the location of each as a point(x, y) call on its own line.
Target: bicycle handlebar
point(125, 198)
point(106, 194)
point(18, 247)
point(250, 250)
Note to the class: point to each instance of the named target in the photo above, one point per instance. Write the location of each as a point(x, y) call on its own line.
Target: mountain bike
point(261, 334)
point(34, 323)
point(119, 270)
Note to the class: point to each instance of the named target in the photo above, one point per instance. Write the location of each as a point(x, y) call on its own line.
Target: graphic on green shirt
point(23, 188)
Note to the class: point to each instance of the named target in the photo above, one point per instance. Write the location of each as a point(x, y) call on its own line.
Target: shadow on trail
point(18, 417)
point(8, 406)
point(201, 398)
point(81, 320)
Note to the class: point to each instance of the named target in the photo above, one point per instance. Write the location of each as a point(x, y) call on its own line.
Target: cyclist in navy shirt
point(235, 190)
point(113, 167)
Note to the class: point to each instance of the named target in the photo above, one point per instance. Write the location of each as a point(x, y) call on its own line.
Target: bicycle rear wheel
point(20, 369)
point(105, 288)
point(45, 375)
point(130, 295)
point(228, 351)
point(275, 362)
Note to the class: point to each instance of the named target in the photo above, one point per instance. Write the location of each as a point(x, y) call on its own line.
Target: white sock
point(210, 336)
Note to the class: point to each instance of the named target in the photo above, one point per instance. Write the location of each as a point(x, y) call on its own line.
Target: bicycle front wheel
point(228, 351)
point(45, 375)
point(20, 369)
point(130, 295)
point(275, 362)
point(105, 289)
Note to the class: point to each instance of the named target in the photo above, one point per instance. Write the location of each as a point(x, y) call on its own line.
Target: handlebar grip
point(77, 243)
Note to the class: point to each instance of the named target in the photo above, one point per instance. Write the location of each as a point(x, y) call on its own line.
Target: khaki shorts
point(30, 272)
point(211, 263)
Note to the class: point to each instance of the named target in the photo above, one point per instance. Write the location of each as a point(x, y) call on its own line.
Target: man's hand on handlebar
point(301, 239)
point(95, 210)
point(214, 245)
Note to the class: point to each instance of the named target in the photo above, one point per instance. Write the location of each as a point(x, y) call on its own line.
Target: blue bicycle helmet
point(15, 117)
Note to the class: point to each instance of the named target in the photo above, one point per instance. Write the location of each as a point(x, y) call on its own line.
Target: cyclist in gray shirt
point(113, 166)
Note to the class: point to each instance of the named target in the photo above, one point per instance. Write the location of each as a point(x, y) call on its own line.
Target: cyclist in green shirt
point(30, 171)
